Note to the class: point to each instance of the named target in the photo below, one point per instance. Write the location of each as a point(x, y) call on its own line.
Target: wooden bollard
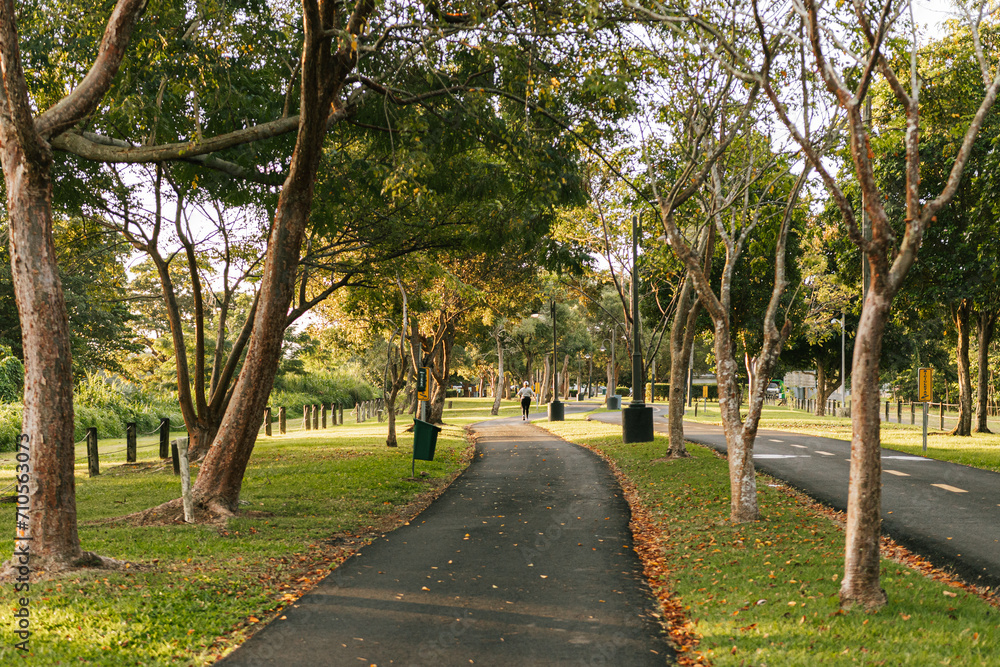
point(130, 442)
point(340, 409)
point(93, 464)
point(899, 412)
point(305, 417)
point(942, 415)
point(315, 414)
point(165, 437)
point(282, 424)
point(176, 456)
point(267, 420)
point(913, 413)
point(357, 413)
point(324, 416)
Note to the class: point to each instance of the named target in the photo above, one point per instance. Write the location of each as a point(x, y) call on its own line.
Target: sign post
point(423, 391)
point(925, 394)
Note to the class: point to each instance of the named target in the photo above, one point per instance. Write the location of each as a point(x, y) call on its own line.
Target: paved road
point(525, 560)
point(946, 512)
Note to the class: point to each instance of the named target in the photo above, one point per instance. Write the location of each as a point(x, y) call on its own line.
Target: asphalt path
point(946, 512)
point(526, 559)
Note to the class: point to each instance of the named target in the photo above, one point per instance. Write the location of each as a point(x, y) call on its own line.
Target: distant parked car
point(773, 389)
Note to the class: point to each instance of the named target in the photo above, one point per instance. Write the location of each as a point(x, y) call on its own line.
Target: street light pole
point(556, 411)
point(637, 419)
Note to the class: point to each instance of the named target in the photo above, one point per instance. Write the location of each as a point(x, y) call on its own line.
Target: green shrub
point(10, 425)
point(11, 378)
point(298, 390)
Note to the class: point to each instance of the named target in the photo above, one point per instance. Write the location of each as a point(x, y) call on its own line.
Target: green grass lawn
point(981, 450)
point(193, 592)
point(766, 593)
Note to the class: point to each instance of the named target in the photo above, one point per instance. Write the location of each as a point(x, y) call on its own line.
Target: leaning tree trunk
point(861, 555)
point(961, 315)
point(986, 324)
point(221, 475)
point(323, 72)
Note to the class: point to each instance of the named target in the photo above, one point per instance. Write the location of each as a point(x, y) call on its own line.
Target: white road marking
point(946, 487)
point(896, 473)
point(773, 440)
point(819, 451)
point(800, 446)
point(906, 458)
point(781, 456)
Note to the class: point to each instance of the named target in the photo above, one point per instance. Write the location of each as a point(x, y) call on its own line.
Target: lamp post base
point(637, 423)
point(557, 411)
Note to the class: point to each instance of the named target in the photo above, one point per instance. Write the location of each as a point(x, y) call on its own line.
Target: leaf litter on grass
point(767, 592)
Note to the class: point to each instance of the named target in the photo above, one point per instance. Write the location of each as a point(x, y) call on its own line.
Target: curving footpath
point(525, 560)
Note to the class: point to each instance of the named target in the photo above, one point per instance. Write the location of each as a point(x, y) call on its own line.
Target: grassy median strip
point(980, 450)
point(766, 593)
point(191, 593)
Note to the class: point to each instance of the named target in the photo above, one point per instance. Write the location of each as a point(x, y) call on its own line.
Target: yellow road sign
point(423, 386)
point(704, 391)
point(925, 385)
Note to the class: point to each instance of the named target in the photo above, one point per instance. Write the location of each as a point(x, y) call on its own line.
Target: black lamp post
point(637, 418)
point(556, 408)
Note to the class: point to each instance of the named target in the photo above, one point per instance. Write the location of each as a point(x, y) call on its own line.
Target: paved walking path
point(526, 560)
point(946, 512)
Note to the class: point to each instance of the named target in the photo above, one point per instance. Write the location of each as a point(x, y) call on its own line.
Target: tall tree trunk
point(961, 314)
point(415, 361)
point(864, 501)
point(26, 156)
point(390, 438)
point(742, 473)
point(498, 392)
point(546, 382)
point(612, 372)
point(48, 374)
point(441, 370)
point(985, 326)
point(681, 342)
point(827, 381)
point(564, 378)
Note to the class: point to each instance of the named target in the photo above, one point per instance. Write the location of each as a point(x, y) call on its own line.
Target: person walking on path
point(526, 395)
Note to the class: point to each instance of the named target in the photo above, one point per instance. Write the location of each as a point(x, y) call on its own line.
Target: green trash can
point(425, 436)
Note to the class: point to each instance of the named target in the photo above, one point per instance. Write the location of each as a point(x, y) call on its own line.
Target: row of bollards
point(365, 410)
point(93, 455)
point(314, 417)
